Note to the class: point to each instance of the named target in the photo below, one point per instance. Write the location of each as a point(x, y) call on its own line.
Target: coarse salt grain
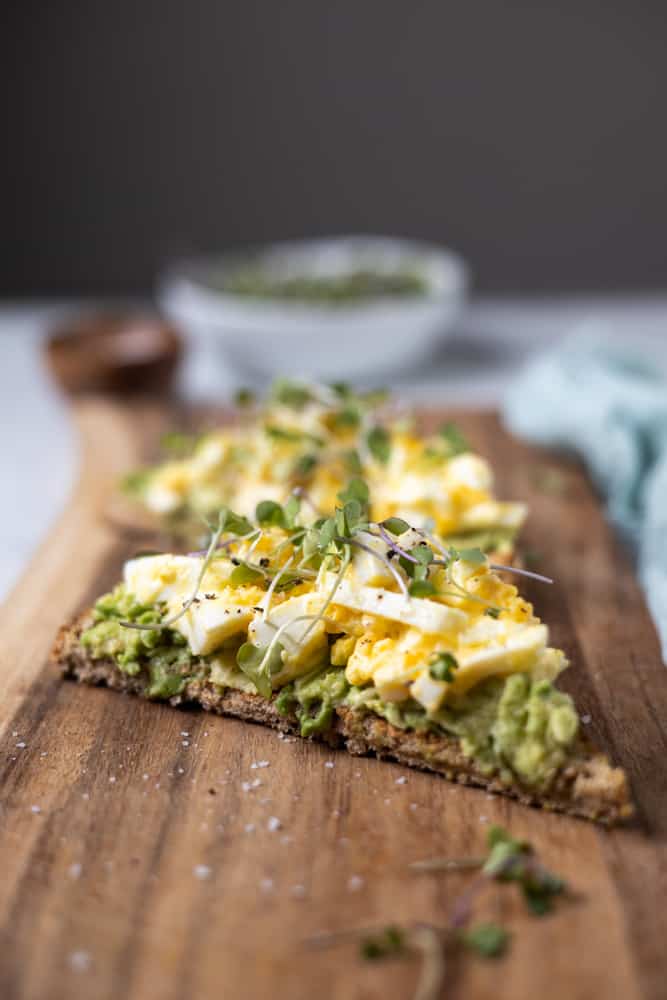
point(145, 777)
point(328, 763)
point(273, 824)
point(586, 719)
point(80, 961)
point(413, 806)
point(201, 872)
point(266, 884)
point(185, 743)
point(355, 883)
point(74, 870)
point(249, 827)
point(401, 781)
point(21, 745)
point(259, 763)
point(35, 809)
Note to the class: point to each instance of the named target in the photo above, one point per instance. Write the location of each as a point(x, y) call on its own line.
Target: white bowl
point(269, 336)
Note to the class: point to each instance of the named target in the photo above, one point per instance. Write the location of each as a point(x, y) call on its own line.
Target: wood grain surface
point(138, 859)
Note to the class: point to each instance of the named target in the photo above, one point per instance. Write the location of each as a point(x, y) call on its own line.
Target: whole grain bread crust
point(588, 786)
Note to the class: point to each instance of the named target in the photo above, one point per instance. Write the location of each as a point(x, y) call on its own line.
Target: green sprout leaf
point(493, 612)
point(379, 444)
point(390, 941)
point(291, 511)
point(352, 462)
point(304, 466)
point(268, 513)
point(422, 588)
point(233, 523)
point(396, 525)
point(422, 553)
point(473, 556)
point(356, 489)
point(347, 417)
point(354, 513)
point(177, 443)
point(454, 440)
point(442, 667)
point(250, 659)
point(512, 860)
point(291, 394)
point(293, 436)
point(328, 531)
point(243, 574)
point(487, 940)
point(135, 483)
point(342, 389)
point(244, 397)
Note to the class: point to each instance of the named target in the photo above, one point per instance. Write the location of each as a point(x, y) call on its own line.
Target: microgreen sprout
point(378, 442)
point(272, 586)
point(442, 667)
point(499, 568)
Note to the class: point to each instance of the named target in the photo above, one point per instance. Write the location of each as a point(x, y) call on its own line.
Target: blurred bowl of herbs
point(327, 308)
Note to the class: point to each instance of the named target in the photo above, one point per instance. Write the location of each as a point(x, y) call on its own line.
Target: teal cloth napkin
point(609, 407)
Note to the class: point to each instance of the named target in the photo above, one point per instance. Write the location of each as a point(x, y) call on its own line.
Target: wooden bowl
point(120, 353)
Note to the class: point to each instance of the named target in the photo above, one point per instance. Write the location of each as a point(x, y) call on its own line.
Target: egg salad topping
point(348, 611)
point(315, 437)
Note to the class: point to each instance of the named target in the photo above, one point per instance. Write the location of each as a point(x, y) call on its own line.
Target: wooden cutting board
point(108, 805)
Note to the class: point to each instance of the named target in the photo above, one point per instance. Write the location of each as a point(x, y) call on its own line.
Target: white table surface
point(473, 367)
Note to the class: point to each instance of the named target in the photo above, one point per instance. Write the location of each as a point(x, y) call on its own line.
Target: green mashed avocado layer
point(514, 726)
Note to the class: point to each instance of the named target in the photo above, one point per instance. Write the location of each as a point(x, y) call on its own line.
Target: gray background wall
point(531, 136)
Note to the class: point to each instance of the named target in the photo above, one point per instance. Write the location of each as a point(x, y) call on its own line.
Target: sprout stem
point(385, 562)
point(520, 572)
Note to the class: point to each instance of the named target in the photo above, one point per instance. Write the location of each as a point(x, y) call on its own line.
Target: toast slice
point(588, 787)
point(368, 635)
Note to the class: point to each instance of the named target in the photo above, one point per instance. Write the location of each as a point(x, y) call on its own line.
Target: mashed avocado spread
point(513, 726)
